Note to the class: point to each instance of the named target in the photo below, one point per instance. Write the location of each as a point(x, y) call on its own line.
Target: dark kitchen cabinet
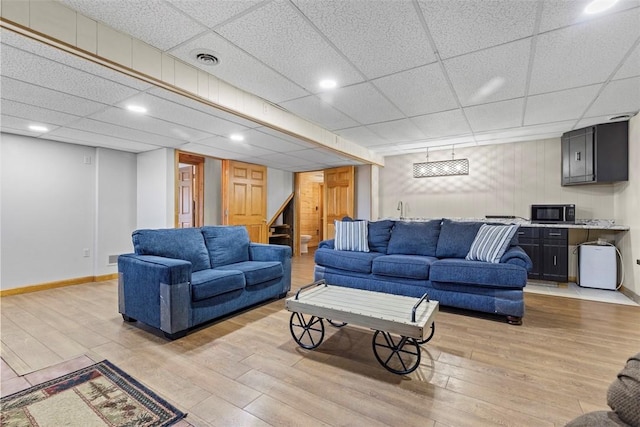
point(548, 249)
point(596, 154)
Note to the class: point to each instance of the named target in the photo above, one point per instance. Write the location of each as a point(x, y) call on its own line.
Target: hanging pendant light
point(441, 168)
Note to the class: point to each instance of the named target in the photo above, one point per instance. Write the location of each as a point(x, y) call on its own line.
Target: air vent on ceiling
point(206, 57)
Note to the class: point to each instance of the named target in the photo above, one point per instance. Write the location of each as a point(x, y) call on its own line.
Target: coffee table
point(401, 323)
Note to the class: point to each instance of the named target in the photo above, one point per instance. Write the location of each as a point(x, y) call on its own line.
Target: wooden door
point(245, 198)
point(185, 197)
point(339, 197)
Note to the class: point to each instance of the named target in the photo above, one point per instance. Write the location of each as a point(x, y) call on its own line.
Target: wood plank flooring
point(246, 370)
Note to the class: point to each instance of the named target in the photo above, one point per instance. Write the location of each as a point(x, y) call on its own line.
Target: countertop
point(581, 224)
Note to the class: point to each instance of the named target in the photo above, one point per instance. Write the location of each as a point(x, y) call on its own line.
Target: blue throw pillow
point(351, 236)
point(414, 238)
point(379, 235)
point(491, 242)
point(180, 243)
point(456, 238)
point(227, 244)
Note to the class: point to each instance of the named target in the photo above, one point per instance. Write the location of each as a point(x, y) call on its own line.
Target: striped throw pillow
point(491, 242)
point(351, 236)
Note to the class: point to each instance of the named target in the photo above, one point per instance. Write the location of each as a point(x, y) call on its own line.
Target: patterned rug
point(98, 395)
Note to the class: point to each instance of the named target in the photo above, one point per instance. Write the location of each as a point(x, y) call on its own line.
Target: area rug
point(98, 395)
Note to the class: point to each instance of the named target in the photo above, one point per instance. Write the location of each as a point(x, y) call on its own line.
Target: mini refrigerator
point(597, 267)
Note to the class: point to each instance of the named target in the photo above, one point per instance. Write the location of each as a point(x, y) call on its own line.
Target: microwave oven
point(553, 214)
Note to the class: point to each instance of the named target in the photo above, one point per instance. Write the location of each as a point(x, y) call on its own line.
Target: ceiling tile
point(202, 10)
point(288, 160)
point(315, 110)
point(422, 90)
point(619, 96)
point(583, 54)
point(20, 126)
point(546, 130)
point(591, 121)
point(59, 77)
point(378, 40)
point(398, 130)
point(240, 69)
point(76, 136)
point(292, 47)
point(497, 115)
point(561, 13)
point(286, 137)
point(362, 136)
point(462, 26)
point(447, 123)
point(152, 21)
point(270, 142)
point(631, 66)
point(499, 73)
point(36, 114)
point(47, 98)
point(557, 106)
point(243, 148)
point(363, 103)
point(115, 130)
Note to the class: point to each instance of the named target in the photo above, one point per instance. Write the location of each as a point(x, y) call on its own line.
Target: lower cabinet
point(548, 249)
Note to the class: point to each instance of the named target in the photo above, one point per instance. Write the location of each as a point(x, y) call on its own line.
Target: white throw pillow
point(351, 236)
point(491, 242)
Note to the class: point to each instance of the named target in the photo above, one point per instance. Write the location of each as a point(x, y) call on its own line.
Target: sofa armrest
point(155, 290)
point(515, 255)
point(270, 252)
point(329, 244)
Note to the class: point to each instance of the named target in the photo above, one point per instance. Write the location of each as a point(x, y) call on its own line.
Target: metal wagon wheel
point(427, 339)
point(399, 354)
point(308, 332)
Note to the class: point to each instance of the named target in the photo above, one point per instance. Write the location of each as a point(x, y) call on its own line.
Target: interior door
point(185, 197)
point(339, 197)
point(245, 198)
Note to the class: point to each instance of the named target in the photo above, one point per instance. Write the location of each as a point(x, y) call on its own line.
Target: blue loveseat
point(180, 278)
point(411, 258)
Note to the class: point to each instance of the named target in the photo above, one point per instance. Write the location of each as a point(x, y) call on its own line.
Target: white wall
point(363, 192)
point(49, 193)
point(504, 179)
point(156, 189)
point(212, 191)
point(115, 207)
point(279, 188)
point(627, 208)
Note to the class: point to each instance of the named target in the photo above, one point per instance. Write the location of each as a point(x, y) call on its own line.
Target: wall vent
point(113, 259)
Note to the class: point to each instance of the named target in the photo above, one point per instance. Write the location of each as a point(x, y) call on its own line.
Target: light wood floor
point(247, 370)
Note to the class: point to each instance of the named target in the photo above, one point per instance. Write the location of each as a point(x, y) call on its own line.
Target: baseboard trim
point(630, 294)
point(57, 284)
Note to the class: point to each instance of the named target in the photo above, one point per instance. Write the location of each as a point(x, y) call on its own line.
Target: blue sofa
point(411, 258)
point(180, 278)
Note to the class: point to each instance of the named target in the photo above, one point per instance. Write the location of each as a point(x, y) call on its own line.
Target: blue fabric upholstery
point(180, 243)
point(379, 235)
point(414, 238)
point(256, 272)
point(480, 273)
point(345, 260)
point(456, 238)
point(226, 244)
point(407, 266)
point(168, 293)
point(210, 283)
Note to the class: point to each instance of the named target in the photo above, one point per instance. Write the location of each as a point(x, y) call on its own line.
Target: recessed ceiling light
point(328, 84)
point(38, 128)
point(136, 108)
point(236, 137)
point(597, 6)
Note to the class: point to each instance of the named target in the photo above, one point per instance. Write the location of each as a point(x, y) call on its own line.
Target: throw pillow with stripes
point(491, 242)
point(351, 236)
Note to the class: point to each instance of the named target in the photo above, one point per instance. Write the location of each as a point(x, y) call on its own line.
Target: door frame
point(198, 188)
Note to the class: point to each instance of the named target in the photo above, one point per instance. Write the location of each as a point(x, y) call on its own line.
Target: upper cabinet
point(596, 154)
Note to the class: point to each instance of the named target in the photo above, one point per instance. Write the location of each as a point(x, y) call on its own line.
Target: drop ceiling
point(410, 74)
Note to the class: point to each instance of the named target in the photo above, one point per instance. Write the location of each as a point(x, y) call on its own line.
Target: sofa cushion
point(491, 242)
point(344, 260)
point(227, 244)
point(180, 243)
point(379, 235)
point(414, 238)
point(456, 238)
point(256, 272)
point(407, 266)
point(210, 283)
point(452, 270)
point(351, 236)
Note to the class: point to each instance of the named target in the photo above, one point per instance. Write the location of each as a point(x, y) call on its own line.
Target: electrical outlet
point(85, 252)
point(638, 261)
